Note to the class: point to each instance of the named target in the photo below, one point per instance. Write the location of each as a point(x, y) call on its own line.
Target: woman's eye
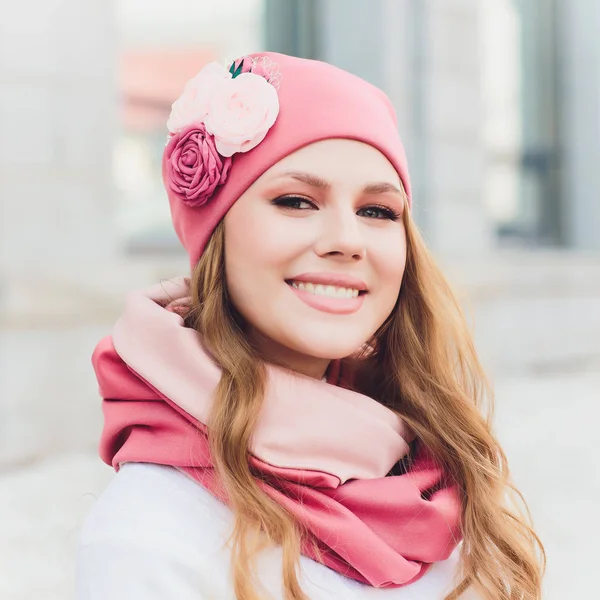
point(379, 212)
point(293, 202)
point(371, 212)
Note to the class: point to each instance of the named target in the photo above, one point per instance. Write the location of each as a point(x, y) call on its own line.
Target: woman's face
point(315, 252)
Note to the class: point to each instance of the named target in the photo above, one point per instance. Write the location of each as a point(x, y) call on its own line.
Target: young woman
point(302, 417)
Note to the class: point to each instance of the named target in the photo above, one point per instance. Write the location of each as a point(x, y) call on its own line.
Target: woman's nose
point(341, 235)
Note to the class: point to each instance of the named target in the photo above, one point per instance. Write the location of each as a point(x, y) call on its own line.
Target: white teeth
point(325, 290)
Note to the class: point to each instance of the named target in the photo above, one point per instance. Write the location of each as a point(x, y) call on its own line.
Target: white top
point(155, 534)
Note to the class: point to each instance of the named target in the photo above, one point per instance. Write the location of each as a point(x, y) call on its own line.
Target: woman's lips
point(331, 278)
point(328, 304)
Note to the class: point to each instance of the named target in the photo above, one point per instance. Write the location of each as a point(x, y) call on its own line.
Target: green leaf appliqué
point(236, 71)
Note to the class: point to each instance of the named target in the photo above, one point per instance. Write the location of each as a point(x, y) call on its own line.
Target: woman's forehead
point(335, 161)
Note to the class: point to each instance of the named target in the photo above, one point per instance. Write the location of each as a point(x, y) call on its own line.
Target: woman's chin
point(325, 346)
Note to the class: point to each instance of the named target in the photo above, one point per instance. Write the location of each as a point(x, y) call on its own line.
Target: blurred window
point(519, 70)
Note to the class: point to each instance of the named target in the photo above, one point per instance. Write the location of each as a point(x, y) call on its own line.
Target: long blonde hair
point(425, 366)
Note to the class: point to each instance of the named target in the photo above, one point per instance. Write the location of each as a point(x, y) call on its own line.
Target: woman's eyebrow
point(318, 182)
point(382, 188)
point(308, 178)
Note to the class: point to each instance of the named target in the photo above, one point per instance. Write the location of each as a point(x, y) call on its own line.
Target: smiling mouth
point(329, 291)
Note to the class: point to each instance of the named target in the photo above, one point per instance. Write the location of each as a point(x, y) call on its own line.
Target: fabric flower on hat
point(241, 111)
point(194, 166)
point(220, 112)
point(262, 66)
point(192, 106)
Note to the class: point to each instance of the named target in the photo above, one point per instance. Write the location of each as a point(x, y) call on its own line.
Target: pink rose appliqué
point(192, 106)
point(241, 111)
point(194, 166)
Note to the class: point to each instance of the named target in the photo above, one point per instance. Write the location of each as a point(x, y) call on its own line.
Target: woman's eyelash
point(388, 212)
point(288, 201)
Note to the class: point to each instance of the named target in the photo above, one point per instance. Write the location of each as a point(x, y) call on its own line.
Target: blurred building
point(498, 104)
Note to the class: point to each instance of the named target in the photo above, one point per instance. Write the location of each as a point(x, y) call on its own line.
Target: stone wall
point(57, 126)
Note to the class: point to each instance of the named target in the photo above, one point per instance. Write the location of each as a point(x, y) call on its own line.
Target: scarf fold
point(320, 450)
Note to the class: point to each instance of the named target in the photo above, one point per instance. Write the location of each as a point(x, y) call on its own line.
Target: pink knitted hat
point(230, 125)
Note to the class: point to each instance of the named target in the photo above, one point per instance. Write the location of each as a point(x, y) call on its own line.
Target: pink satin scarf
point(322, 451)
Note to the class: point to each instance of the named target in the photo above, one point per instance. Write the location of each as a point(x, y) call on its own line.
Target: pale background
point(499, 106)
